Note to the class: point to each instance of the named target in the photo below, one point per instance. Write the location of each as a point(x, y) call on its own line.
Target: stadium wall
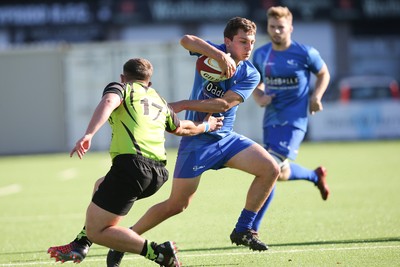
point(50, 93)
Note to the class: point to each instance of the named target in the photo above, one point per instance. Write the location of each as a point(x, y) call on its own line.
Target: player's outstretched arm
point(190, 128)
point(101, 114)
point(211, 105)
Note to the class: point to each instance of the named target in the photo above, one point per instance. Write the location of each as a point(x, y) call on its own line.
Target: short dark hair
point(237, 23)
point(138, 69)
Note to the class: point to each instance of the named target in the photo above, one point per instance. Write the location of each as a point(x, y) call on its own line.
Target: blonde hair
point(278, 12)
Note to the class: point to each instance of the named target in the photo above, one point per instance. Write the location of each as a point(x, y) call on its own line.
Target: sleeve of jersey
point(220, 47)
point(173, 121)
point(314, 60)
point(116, 88)
point(250, 80)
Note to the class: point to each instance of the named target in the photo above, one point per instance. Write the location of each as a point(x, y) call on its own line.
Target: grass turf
point(43, 199)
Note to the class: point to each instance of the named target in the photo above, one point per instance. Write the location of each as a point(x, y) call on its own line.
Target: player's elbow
point(224, 106)
point(186, 40)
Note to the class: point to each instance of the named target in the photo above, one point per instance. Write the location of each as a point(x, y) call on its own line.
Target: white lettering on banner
point(378, 8)
point(41, 14)
point(308, 8)
point(23, 15)
point(189, 10)
point(356, 120)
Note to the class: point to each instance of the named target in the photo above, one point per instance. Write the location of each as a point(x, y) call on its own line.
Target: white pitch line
point(10, 189)
point(293, 251)
point(135, 257)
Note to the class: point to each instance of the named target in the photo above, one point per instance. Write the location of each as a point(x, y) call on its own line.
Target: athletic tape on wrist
point(206, 126)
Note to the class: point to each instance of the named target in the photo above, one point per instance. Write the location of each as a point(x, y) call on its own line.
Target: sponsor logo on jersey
point(281, 83)
point(212, 90)
point(291, 62)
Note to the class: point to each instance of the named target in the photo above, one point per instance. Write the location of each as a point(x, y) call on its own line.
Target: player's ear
point(227, 41)
point(122, 77)
point(149, 85)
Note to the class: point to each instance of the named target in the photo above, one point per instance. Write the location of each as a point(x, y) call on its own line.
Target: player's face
point(280, 31)
point(241, 46)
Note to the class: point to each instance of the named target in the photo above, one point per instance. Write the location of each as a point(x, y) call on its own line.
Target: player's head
point(137, 70)
point(237, 23)
point(279, 25)
point(239, 37)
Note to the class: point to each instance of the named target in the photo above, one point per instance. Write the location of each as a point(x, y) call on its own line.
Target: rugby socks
point(245, 221)
point(262, 211)
point(148, 250)
point(298, 172)
point(82, 238)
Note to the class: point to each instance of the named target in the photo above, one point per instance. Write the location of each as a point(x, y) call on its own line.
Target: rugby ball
point(209, 69)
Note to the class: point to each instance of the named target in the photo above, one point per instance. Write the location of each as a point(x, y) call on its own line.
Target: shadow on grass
point(315, 243)
point(44, 252)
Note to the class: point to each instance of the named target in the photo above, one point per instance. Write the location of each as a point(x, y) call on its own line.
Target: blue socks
point(252, 220)
point(300, 173)
point(245, 221)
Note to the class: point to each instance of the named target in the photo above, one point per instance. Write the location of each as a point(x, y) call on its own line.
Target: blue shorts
point(197, 154)
point(284, 140)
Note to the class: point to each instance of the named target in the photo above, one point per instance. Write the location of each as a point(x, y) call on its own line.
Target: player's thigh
point(254, 160)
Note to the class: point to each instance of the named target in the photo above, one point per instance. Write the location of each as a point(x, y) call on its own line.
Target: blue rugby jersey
point(286, 74)
point(243, 82)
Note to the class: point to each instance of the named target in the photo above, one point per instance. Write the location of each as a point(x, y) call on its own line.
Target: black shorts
point(130, 178)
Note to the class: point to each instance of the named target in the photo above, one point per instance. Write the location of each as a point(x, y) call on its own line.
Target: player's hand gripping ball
point(209, 69)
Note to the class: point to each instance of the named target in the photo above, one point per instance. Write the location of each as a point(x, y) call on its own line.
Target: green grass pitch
point(43, 199)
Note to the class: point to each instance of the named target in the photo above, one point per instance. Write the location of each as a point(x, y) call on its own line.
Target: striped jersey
point(139, 123)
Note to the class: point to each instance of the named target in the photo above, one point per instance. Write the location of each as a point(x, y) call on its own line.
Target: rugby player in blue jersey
point(223, 148)
point(286, 67)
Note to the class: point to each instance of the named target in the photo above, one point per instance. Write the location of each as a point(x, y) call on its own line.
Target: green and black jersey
point(139, 123)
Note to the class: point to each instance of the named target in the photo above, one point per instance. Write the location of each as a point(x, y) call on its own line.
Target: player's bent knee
point(276, 172)
point(273, 170)
point(91, 230)
point(97, 221)
point(91, 234)
point(94, 232)
point(176, 208)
